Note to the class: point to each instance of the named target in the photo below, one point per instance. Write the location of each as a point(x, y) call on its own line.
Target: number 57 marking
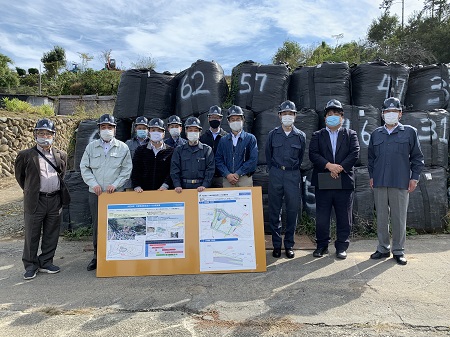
point(246, 83)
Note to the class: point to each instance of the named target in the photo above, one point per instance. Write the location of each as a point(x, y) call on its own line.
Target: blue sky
point(177, 33)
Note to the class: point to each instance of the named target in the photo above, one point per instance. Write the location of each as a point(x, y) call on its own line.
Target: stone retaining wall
point(16, 134)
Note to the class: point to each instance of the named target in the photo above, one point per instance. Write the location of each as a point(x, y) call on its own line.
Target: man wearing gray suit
point(40, 171)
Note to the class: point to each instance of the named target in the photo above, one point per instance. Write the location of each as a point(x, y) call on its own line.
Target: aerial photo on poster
point(145, 231)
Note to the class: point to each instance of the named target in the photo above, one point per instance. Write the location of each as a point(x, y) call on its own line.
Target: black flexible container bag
point(144, 92)
point(428, 87)
point(373, 82)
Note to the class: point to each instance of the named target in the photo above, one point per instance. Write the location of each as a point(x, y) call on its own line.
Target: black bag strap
point(57, 169)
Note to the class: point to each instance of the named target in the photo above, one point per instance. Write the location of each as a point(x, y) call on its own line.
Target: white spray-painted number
point(441, 85)
point(246, 83)
point(186, 88)
point(399, 85)
point(428, 131)
point(364, 136)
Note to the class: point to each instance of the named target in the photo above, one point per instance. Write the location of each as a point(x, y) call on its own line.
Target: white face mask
point(287, 120)
point(44, 142)
point(236, 126)
point(107, 135)
point(156, 136)
point(174, 132)
point(391, 118)
point(193, 136)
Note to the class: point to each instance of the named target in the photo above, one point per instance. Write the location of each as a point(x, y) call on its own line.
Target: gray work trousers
point(391, 203)
point(244, 181)
point(47, 219)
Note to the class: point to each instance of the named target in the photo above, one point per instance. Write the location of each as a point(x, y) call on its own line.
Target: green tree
point(33, 71)
point(432, 35)
point(8, 77)
point(21, 72)
point(383, 28)
point(438, 9)
point(54, 60)
point(386, 5)
point(292, 53)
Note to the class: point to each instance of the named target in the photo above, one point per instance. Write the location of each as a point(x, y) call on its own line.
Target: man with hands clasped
point(333, 151)
point(395, 162)
point(237, 152)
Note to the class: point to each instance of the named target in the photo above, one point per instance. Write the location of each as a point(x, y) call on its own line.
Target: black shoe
point(276, 252)
point(29, 274)
point(289, 253)
point(379, 255)
point(50, 269)
point(341, 255)
point(401, 259)
point(92, 265)
point(320, 251)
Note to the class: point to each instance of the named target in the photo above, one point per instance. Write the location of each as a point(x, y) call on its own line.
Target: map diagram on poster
point(145, 231)
point(226, 230)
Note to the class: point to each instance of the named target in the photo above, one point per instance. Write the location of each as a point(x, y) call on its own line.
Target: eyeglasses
point(44, 133)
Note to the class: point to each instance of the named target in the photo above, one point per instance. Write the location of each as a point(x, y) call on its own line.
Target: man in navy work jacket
point(141, 138)
point(212, 137)
point(175, 126)
point(285, 147)
point(192, 164)
point(237, 152)
point(395, 163)
point(334, 151)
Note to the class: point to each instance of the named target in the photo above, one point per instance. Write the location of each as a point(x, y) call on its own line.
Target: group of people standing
point(215, 158)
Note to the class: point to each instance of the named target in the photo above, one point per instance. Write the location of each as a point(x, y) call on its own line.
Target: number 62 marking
point(187, 86)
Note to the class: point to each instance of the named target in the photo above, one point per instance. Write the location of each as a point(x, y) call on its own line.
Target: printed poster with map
point(145, 231)
point(226, 232)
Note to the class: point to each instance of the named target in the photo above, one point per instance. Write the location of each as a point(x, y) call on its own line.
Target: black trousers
point(284, 185)
point(46, 219)
point(93, 206)
point(342, 201)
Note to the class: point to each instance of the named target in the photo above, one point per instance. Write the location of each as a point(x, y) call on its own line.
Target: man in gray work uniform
point(105, 167)
point(285, 147)
point(395, 163)
point(192, 164)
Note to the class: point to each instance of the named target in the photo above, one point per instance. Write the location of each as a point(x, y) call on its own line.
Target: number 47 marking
point(246, 83)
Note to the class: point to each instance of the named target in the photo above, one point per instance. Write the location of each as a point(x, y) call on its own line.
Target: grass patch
point(82, 113)
point(79, 234)
point(16, 105)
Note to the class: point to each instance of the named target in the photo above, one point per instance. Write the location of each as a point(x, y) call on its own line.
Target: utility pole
point(403, 12)
point(40, 83)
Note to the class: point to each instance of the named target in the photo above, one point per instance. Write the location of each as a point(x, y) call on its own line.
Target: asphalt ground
point(303, 296)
